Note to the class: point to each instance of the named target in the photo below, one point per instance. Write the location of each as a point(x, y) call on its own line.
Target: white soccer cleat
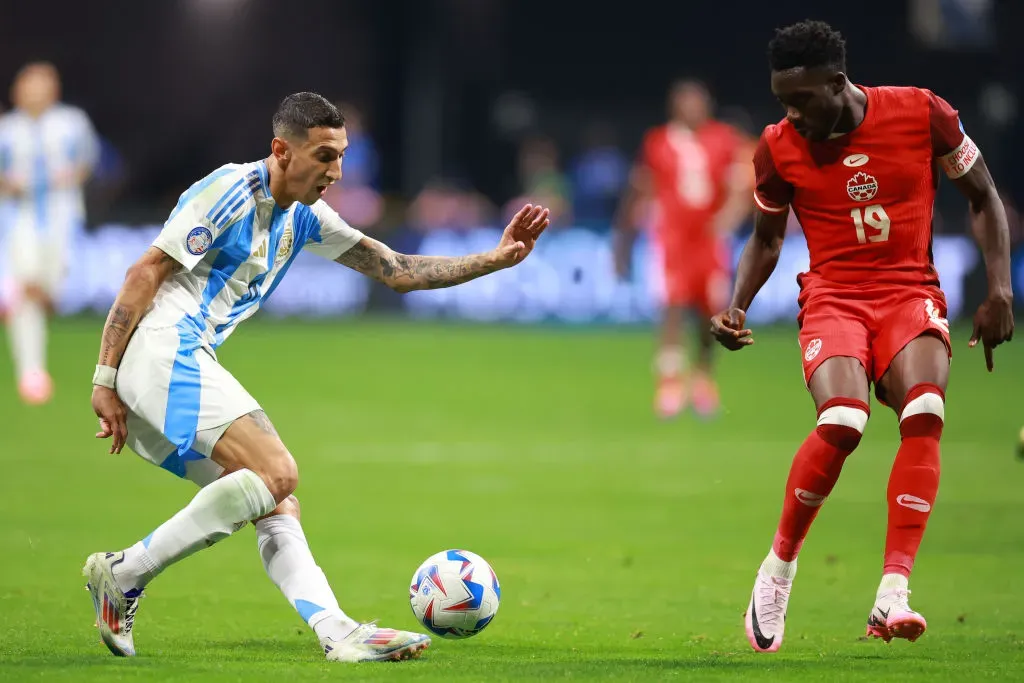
point(891, 617)
point(766, 616)
point(115, 611)
point(368, 643)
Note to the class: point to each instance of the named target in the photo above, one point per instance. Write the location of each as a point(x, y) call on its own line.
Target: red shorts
point(870, 324)
point(697, 278)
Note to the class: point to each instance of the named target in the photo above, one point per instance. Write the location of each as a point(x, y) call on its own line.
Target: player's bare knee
point(281, 475)
point(923, 413)
point(291, 506)
point(841, 422)
point(37, 294)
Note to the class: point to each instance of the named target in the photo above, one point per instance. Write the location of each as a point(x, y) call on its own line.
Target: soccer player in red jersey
point(859, 166)
point(696, 170)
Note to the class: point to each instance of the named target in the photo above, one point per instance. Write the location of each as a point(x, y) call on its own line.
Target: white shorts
point(180, 400)
point(36, 257)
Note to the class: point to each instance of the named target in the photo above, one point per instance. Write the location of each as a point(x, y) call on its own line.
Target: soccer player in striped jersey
point(159, 388)
point(47, 151)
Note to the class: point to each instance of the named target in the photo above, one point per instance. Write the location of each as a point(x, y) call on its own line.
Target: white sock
point(892, 582)
point(26, 325)
point(290, 565)
point(216, 512)
point(670, 361)
point(773, 565)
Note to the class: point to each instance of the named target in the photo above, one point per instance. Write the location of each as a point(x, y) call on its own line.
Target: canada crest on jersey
point(862, 187)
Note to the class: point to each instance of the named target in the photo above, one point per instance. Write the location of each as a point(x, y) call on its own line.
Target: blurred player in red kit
point(859, 167)
point(697, 171)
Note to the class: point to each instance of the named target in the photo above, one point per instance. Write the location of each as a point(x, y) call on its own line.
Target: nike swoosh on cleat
point(762, 642)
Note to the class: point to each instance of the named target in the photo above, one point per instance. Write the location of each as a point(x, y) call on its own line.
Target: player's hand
point(113, 417)
point(67, 179)
point(521, 235)
point(993, 325)
point(728, 329)
point(13, 186)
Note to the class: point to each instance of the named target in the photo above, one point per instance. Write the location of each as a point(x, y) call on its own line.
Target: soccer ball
point(455, 594)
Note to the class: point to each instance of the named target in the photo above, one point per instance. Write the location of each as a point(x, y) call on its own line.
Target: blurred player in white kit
point(47, 151)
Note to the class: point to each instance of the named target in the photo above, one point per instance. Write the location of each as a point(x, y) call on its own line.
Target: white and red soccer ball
point(455, 594)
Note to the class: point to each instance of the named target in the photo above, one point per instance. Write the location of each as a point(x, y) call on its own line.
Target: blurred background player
point(47, 151)
point(860, 168)
point(696, 172)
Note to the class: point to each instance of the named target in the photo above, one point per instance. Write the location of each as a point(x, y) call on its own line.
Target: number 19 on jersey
point(875, 219)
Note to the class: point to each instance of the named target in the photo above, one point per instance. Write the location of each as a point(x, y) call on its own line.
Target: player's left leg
point(290, 564)
point(670, 363)
point(914, 385)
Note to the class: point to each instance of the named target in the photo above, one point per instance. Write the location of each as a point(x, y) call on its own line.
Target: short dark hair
point(301, 111)
point(808, 44)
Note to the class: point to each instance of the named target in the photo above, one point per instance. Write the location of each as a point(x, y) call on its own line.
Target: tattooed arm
point(405, 273)
point(140, 286)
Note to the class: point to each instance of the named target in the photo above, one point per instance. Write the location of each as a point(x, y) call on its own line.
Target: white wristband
point(104, 376)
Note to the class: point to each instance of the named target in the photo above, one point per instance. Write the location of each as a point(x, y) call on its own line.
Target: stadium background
point(528, 442)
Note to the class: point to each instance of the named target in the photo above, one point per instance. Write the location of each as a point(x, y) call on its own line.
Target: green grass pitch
point(626, 547)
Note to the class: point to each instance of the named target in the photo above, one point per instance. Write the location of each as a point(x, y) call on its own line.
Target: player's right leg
point(835, 356)
point(713, 296)
point(181, 403)
point(28, 303)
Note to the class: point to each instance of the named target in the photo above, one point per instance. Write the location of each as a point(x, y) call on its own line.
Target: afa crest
point(285, 247)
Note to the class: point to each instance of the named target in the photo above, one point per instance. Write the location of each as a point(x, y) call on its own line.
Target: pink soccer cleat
point(670, 399)
point(35, 387)
point(704, 396)
point(891, 617)
point(766, 615)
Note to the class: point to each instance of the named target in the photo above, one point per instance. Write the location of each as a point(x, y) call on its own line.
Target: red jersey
point(864, 199)
point(691, 171)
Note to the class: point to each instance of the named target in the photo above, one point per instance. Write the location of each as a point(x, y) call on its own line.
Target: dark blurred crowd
point(582, 181)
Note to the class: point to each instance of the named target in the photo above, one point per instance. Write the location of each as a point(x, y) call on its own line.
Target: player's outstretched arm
point(141, 284)
point(624, 228)
point(760, 256)
point(406, 272)
point(993, 323)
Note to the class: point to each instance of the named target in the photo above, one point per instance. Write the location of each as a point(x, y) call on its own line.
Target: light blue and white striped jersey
point(235, 244)
point(37, 151)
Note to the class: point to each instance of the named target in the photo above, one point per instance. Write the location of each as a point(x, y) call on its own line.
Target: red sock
point(914, 481)
point(816, 469)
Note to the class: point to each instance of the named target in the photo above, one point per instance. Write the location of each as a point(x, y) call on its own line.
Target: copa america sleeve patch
point(957, 163)
point(198, 240)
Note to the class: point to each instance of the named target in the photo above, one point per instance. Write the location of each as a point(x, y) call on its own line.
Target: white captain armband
point(104, 376)
point(768, 207)
point(957, 163)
